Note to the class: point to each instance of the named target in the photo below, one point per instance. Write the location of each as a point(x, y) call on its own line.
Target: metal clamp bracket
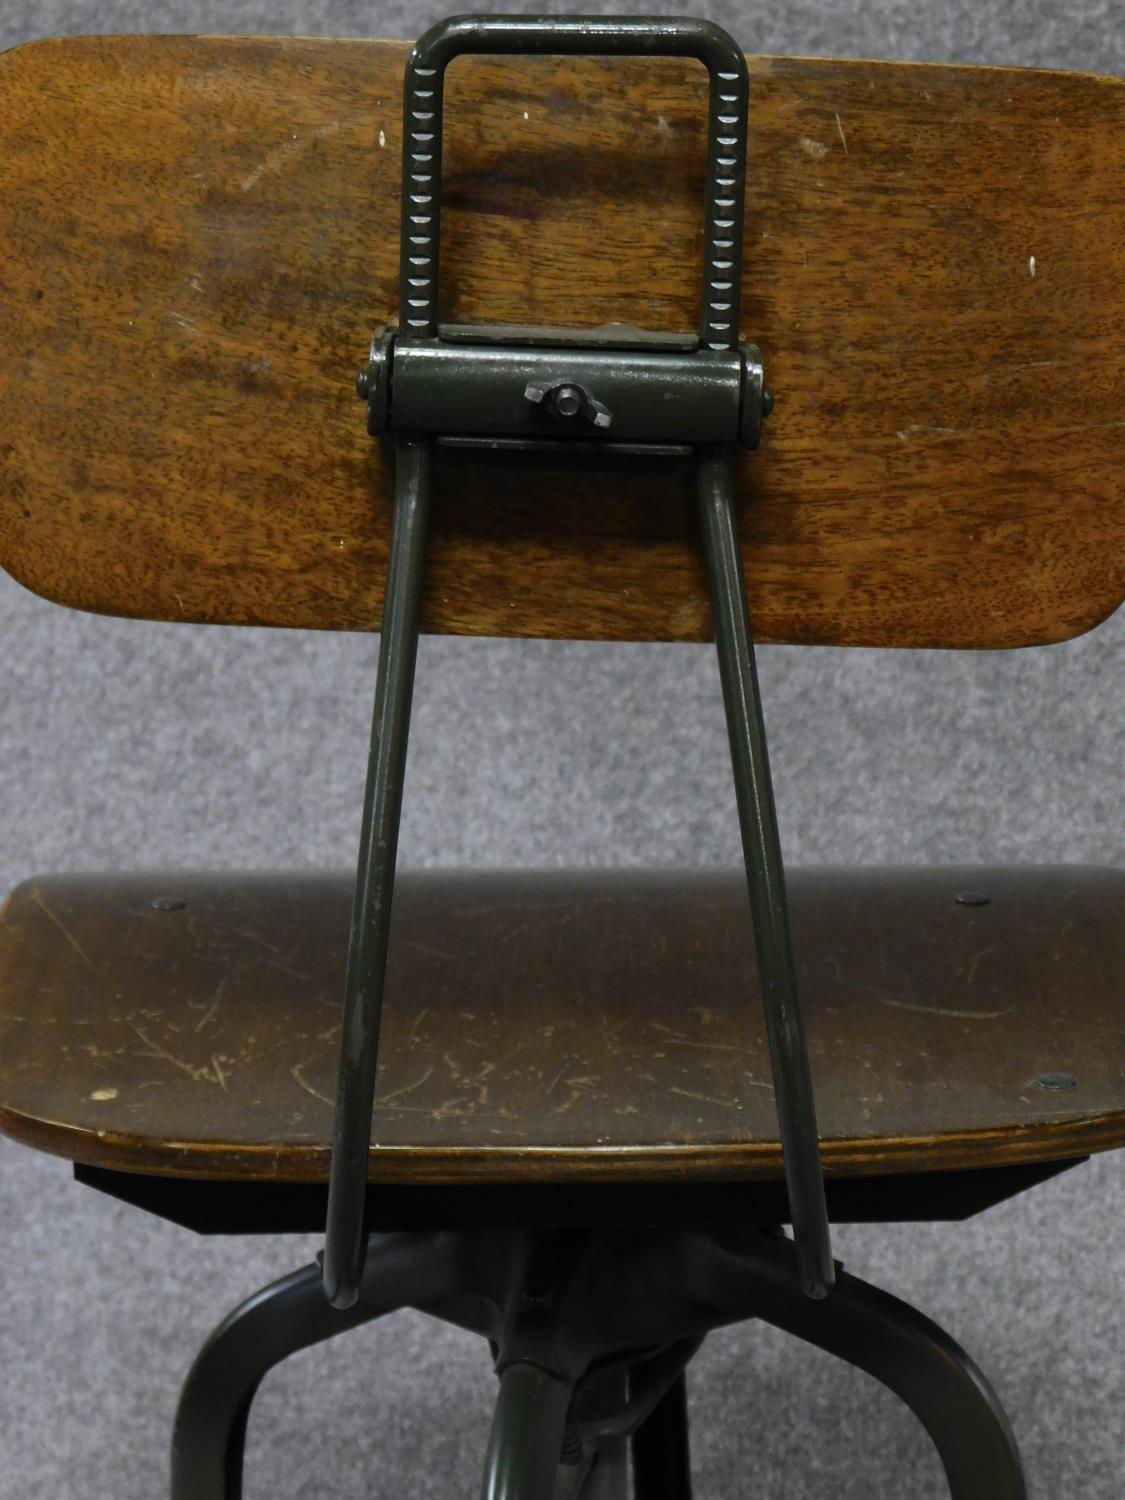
point(619, 389)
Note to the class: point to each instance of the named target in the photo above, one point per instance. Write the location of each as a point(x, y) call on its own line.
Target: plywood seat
point(563, 1026)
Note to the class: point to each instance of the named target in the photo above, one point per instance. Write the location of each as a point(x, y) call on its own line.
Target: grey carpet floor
point(124, 745)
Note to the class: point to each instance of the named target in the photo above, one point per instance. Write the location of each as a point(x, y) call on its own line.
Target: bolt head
point(972, 898)
point(363, 383)
point(168, 903)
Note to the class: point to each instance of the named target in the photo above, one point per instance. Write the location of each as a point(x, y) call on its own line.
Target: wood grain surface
point(558, 1027)
point(197, 236)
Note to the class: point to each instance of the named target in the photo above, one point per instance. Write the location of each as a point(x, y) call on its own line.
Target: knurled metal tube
point(604, 36)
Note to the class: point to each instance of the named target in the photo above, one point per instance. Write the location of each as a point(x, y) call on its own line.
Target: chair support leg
point(569, 1312)
point(661, 1455)
point(292, 1314)
point(608, 1478)
point(527, 1434)
point(926, 1368)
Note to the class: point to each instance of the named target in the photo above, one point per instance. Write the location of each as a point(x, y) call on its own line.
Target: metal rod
point(604, 36)
point(649, 1381)
point(210, 1430)
point(765, 873)
point(345, 1243)
point(608, 1478)
point(914, 1358)
point(526, 1436)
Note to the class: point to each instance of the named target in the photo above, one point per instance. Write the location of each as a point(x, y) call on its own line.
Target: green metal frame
point(591, 1331)
point(536, 389)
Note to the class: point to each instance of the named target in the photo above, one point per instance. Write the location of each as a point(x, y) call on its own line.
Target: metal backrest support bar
point(765, 872)
point(540, 390)
point(375, 876)
point(606, 36)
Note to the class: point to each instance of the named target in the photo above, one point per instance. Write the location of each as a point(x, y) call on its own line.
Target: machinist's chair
point(593, 1116)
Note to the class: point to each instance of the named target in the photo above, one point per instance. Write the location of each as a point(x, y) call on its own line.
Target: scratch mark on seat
point(299, 1078)
point(98, 1054)
point(53, 917)
point(455, 1109)
point(434, 952)
point(945, 1010)
point(568, 1062)
point(477, 1081)
point(682, 1041)
point(257, 939)
point(407, 1088)
point(276, 963)
point(194, 1072)
point(843, 137)
point(704, 1098)
point(974, 963)
point(216, 999)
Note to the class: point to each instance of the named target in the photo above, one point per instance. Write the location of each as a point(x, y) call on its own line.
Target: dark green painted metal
point(592, 1306)
point(467, 389)
point(210, 1430)
point(924, 1367)
point(371, 915)
point(649, 1382)
point(765, 873)
point(474, 387)
point(610, 36)
point(608, 1475)
point(527, 1432)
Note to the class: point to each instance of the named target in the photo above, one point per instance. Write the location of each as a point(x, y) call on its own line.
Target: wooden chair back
point(199, 233)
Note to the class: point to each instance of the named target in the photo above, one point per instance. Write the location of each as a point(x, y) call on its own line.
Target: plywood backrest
point(198, 234)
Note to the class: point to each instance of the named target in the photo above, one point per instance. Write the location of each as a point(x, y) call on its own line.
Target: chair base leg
point(568, 1314)
point(661, 1453)
point(527, 1434)
point(210, 1429)
point(925, 1368)
point(606, 1393)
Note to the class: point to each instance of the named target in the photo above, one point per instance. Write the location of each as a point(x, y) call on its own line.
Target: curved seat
point(564, 1026)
